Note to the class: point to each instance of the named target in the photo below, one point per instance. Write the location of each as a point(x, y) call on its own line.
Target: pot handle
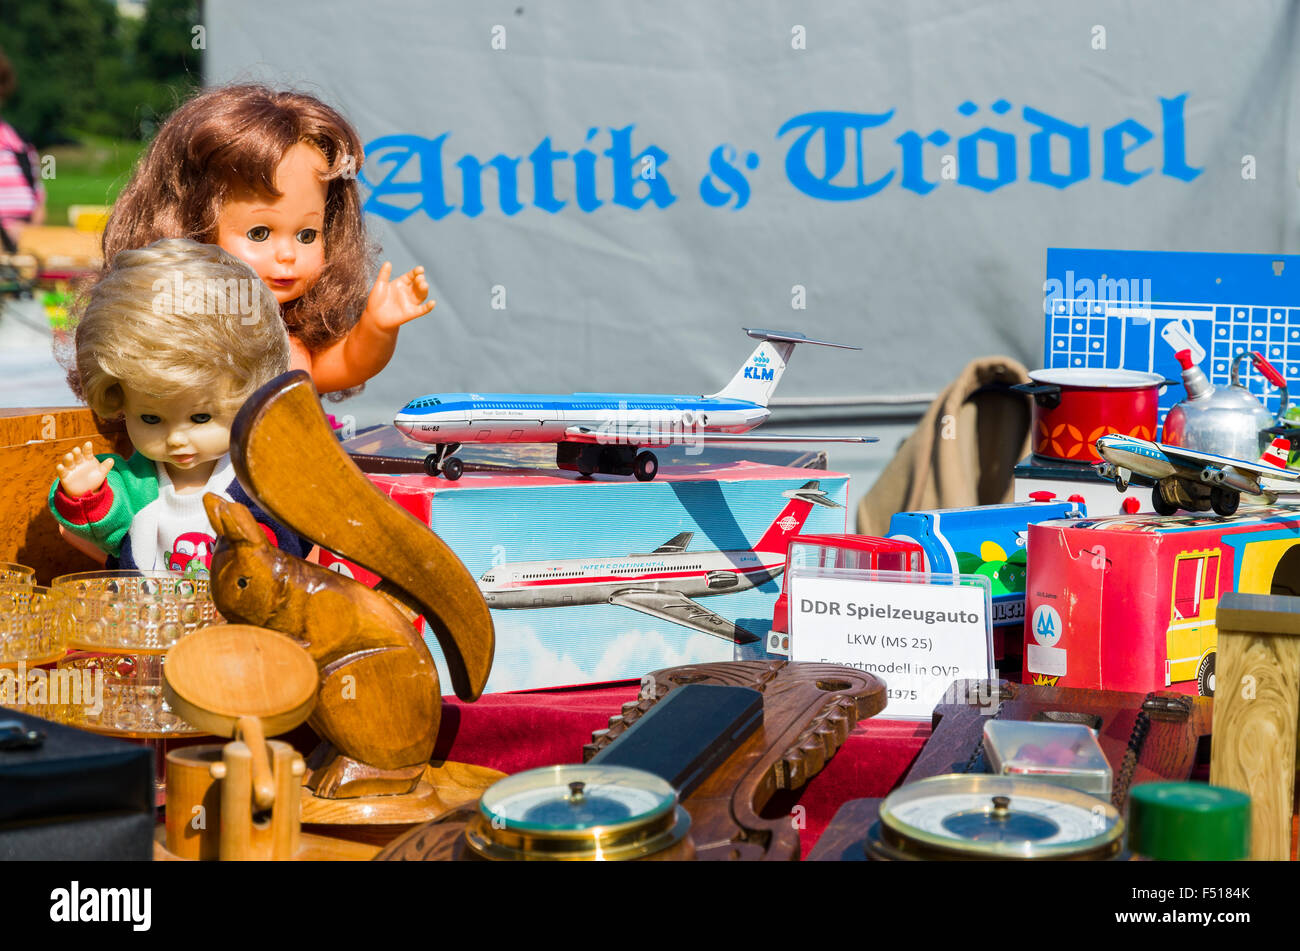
point(1046, 395)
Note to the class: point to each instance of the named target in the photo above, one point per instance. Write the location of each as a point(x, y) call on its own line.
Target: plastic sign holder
point(915, 630)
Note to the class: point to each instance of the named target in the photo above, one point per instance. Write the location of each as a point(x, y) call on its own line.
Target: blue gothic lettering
point(397, 151)
point(721, 168)
point(968, 159)
point(834, 127)
point(627, 172)
point(1115, 151)
point(1040, 150)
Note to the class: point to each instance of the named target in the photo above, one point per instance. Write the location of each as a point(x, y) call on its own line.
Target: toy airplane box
point(1128, 602)
point(984, 539)
point(606, 578)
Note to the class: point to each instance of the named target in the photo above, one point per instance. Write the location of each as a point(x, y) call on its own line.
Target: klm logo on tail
point(759, 373)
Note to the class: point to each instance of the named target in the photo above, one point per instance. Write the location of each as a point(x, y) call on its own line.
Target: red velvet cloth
point(517, 731)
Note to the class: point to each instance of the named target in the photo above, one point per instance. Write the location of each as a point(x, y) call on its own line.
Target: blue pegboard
point(1109, 308)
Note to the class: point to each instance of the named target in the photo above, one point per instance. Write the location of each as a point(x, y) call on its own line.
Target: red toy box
point(1128, 602)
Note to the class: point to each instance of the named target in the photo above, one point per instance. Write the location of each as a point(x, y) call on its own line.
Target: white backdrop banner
point(604, 193)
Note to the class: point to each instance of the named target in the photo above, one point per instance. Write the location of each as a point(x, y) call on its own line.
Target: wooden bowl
point(220, 674)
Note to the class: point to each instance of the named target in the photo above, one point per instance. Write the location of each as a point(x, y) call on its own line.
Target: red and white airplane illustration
point(663, 582)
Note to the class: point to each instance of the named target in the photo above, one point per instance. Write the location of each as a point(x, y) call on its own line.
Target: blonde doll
point(175, 337)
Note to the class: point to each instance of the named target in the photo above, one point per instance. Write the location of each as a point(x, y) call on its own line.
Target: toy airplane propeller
point(607, 432)
point(1196, 481)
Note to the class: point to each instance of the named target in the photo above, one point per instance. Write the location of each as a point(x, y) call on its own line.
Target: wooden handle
point(249, 729)
point(288, 459)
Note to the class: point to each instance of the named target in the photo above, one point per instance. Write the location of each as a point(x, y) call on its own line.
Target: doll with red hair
point(271, 178)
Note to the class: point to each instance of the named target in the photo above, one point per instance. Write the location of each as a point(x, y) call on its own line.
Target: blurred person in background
point(22, 197)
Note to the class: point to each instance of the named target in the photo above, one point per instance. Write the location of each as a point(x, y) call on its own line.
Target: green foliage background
point(93, 84)
point(84, 69)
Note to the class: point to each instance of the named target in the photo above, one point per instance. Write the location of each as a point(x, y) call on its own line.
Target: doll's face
point(186, 433)
point(282, 239)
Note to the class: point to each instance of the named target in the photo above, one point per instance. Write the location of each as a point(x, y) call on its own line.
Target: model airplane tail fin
point(790, 521)
point(756, 381)
point(1276, 454)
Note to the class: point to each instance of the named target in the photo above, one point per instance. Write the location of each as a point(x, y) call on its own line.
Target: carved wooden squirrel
point(379, 701)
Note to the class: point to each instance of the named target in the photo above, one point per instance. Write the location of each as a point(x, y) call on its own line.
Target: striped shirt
point(17, 198)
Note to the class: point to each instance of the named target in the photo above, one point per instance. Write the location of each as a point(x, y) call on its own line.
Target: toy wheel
point(431, 463)
point(1205, 676)
point(1224, 501)
point(1161, 504)
point(453, 468)
point(645, 466)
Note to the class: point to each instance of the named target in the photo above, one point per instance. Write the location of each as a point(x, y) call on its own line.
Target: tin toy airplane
point(1192, 480)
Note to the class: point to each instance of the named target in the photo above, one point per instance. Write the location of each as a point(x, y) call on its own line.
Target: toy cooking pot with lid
point(1073, 406)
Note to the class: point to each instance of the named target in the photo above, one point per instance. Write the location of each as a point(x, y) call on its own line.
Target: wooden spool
point(1257, 713)
point(243, 682)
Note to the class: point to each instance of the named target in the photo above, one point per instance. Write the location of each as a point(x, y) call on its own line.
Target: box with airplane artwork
point(1129, 602)
point(607, 578)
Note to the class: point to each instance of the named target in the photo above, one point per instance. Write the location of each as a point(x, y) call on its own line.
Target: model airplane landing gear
point(442, 462)
point(1160, 503)
point(645, 466)
point(1224, 501)
point(1116, 474)
point(587, 458)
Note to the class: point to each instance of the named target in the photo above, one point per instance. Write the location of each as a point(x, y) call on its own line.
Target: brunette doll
point(271, 177)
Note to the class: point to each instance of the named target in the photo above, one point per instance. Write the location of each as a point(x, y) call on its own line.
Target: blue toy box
point(594, 580)
point(986, 539)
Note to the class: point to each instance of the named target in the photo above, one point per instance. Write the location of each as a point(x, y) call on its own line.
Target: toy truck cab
point(837, 551)
point(1192, 634)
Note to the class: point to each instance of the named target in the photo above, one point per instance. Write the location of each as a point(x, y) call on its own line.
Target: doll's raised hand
point(80, 472)
point(393, 303)
point(370, 344)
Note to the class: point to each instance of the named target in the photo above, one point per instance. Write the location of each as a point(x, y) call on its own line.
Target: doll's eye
point(150, 419)
point(258, 233)
point(307, 235)
point(201, 418)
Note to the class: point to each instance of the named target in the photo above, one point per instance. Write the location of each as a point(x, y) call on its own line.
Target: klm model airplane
point(607, 432)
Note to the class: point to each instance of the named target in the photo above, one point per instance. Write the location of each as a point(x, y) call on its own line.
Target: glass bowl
point(135, 612)
point(16, 574)
point(35, 624)
point(122, 695)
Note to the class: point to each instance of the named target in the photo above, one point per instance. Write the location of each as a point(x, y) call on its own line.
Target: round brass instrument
point(567, 813)
point(980, 816)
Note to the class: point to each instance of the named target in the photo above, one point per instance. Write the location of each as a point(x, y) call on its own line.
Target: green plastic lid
point(1188, 821)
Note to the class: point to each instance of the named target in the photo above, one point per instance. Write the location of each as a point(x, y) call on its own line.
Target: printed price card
point(917, 638)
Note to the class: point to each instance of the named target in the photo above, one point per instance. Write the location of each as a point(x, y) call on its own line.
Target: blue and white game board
point(1134, 309)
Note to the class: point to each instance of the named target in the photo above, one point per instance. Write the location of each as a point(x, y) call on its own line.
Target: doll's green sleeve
point(105, 519)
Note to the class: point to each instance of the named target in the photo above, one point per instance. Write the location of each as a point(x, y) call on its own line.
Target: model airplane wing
point(663, 437)
point(1249, 470)
point(675, 544)
point(680, 609)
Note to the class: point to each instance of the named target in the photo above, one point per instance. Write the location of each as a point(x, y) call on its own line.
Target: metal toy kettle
point(1224, 420)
